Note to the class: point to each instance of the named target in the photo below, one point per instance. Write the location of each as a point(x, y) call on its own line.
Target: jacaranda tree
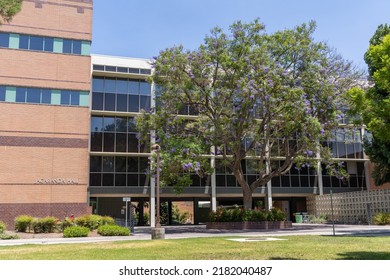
point(245, 94)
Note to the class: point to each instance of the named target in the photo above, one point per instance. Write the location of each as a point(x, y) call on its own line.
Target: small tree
point(252, 97)
point(8, 9)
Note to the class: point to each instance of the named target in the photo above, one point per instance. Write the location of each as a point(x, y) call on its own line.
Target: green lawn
point(292, 247)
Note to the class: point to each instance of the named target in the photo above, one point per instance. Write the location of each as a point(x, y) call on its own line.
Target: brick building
point(44, 98)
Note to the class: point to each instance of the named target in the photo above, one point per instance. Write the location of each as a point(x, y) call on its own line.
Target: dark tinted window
point(74, 98)
point(96, 164)
point(4, 40)
point(121, 102)
point(23, 42)
point(36, 43)
point(33, 95)
point(97, 100)
point(76, 47)
point(46, 96)
point(2, 93)
point(98, 67)
point(111, 68)
point(134, 87)
point(96, 124)
point(133, 103)
point(109, 101)
point(20, 94)
point(122, 69)
point(48, 44)
point(121, 86)
point(65, 97)
point(67, 46)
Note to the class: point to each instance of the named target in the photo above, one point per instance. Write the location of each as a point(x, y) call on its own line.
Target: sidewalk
point(198, 231)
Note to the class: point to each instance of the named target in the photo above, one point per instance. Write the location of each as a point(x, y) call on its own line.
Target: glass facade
point(120, 95)
point(114, 133)
point(44, 96)
point(44, 44)
point(110, 171)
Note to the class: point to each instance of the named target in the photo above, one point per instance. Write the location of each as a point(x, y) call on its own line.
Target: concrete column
point(319, 176)
point(213, 182)
point(196, 211)
point(152, 202)
point(367, 174)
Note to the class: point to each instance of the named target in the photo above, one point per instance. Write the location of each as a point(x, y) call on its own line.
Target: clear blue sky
point(141, 28)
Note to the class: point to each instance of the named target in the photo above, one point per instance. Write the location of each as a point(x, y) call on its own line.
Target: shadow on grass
point(364, 256)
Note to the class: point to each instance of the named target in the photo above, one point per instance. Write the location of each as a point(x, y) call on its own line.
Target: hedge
point(76, 231)
point(113, 230)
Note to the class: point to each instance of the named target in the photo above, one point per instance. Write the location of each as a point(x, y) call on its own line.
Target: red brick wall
point(54, 18)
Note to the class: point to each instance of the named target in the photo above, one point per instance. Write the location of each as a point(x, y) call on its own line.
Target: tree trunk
point(247, 198)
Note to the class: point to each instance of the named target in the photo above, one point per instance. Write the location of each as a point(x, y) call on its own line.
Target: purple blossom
point(186, 150)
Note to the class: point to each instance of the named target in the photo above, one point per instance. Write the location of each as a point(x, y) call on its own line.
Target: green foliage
point(8, 8)
point(381, 219)
point(372, 106)
point(113, 230)
point(67, 222)
point(4, 236)
point(241, 215)
point(76, 231)
point(23, 223)
point(44, 225)
point(249, 93)
point(93, 221)
point(322, 219)
point(2, 227)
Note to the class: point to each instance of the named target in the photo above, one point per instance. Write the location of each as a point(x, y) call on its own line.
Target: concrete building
point(44, 104)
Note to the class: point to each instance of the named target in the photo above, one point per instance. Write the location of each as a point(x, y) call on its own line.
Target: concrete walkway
point(196, 231)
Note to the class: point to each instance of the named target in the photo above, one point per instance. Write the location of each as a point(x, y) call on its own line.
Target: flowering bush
point(241, 215)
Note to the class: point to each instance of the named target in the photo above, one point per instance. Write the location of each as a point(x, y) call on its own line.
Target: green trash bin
point(298, 218)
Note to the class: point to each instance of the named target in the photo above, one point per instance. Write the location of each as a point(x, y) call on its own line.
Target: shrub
point(381, 219)
point(67, 222)
point(241, 215)
point(2, 227)
point(23, 223)
point(4, 236)
point(44, 225)
point(76, 231)
point(93, 221)
point(113, 230)
point(107, 220)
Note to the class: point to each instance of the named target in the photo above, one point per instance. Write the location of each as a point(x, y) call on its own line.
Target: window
point(23, 42)
point(4, 40)
point(67, 46)
point(49, 44)
point(2, 93)
point(21, 95)
point(33, 95)
point(36, 43)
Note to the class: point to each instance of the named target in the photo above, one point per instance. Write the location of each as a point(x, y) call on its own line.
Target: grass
point(292, 248)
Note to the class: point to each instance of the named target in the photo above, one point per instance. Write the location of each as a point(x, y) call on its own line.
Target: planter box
point(249, 225)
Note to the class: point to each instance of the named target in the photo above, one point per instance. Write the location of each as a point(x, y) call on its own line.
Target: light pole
point(157, 232)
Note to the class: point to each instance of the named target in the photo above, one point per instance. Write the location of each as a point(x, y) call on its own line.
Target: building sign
point(57, 181)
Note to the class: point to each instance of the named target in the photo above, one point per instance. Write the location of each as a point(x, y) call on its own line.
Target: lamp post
point(157, 231)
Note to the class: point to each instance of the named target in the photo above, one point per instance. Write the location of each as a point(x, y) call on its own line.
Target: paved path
point(192, 231)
